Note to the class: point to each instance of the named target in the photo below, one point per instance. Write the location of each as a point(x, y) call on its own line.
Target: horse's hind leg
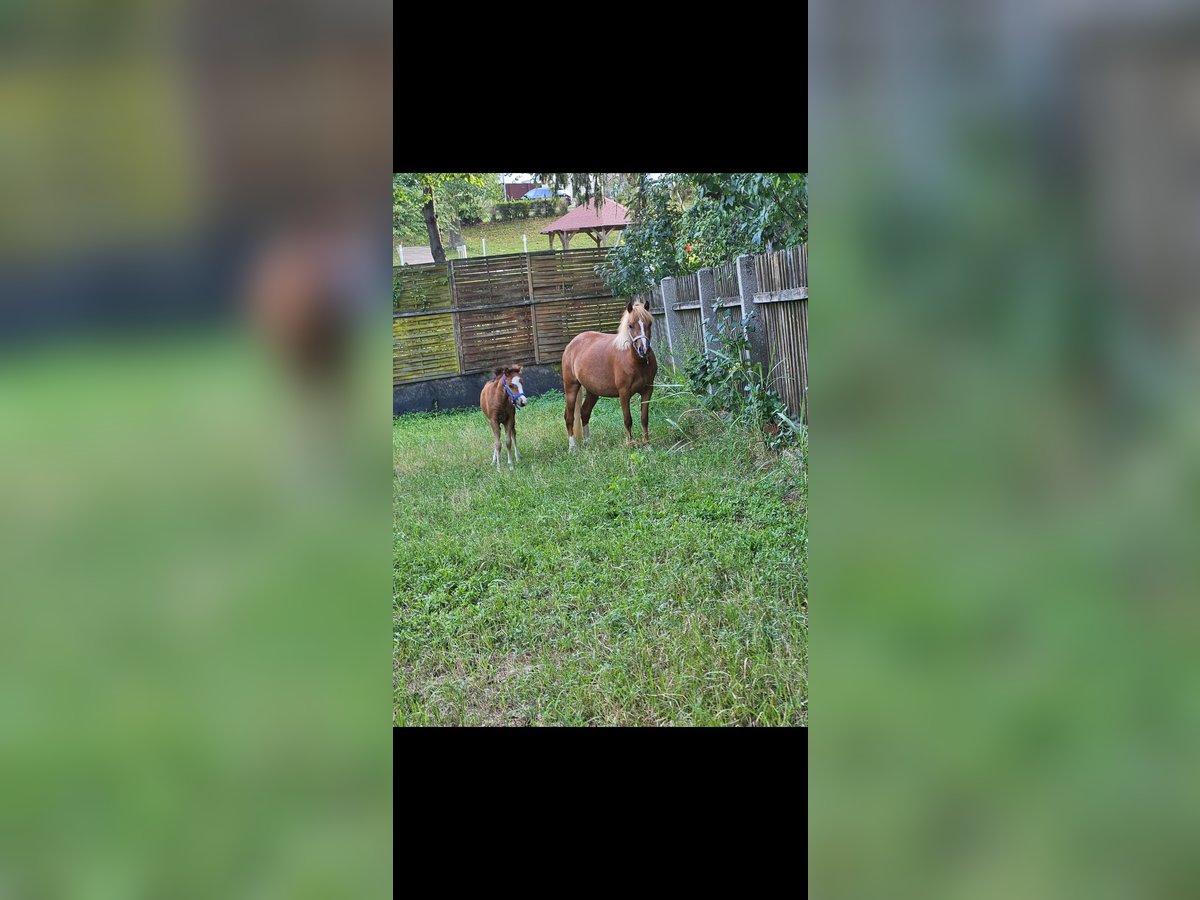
point(589, 401)
point(572, 392)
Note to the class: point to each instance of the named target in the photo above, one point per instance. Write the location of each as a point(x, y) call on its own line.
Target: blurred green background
point(194, 526)
point(192, 564)
point(1004, 452)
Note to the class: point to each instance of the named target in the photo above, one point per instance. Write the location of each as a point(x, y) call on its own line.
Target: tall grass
point(617, 585)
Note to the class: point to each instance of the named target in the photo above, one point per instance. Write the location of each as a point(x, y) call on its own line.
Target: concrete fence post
point(671, 317)
point(747, 288)
point(707, 283)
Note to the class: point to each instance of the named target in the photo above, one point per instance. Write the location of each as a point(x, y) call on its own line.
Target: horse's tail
point(578, 427)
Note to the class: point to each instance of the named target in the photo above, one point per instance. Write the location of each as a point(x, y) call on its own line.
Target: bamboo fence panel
point(567, 275)
point(490, 280)
point(423, 348)
point(420, 288)
point(494, 337)
point(559, 321)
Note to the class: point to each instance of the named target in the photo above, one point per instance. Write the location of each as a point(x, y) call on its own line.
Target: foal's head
point(510, 380)
point(635, 329)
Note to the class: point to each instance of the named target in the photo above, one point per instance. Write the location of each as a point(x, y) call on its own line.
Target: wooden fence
point(781, 300)
point(469, 315)
point(773, 285)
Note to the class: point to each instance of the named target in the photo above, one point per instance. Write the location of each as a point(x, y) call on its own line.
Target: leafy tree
point(427, 192)
point(648, 252)
point(462, 201)
point(407, 221)
point(768, 207)
point(686, 222)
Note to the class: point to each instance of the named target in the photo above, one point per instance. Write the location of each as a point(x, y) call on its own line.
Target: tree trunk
point(435, 240)
point(454, 230)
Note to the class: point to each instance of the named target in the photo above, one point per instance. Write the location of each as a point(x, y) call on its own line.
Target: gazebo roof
point(584, 218)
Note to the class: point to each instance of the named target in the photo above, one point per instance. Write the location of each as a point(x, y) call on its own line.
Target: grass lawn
point(615, 586)
point(505, 237)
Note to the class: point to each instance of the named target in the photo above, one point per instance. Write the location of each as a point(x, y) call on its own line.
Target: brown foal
point(499, 400)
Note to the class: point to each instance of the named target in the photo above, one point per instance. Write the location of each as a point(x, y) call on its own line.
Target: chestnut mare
point(499, 400)
point(608, 365)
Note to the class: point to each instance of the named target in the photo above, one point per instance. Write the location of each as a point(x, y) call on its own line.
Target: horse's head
point(510, 379)
point(640, 322)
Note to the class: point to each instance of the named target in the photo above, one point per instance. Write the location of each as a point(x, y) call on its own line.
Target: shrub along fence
point(774, 286)
point(469, 315)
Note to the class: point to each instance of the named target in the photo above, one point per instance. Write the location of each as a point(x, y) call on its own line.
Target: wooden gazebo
point(598, 225)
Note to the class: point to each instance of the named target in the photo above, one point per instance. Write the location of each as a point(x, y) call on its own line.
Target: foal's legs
point(496, 447)
point(510, 427)
point(589, 401)
point(513, 434)
point(628, 416)
point(572, 391)
point(646, 414)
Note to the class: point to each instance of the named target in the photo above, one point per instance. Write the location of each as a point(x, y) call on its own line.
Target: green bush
point(514, 209)
point(740, 393)
point(524, 209)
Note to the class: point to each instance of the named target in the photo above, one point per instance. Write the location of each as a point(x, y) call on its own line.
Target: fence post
point(401, 254)
point(458, 344)
point(484, 247)
point(525, 242)
point(671, 317)
point(757, 332)
point(533, 316)
point(707, 284)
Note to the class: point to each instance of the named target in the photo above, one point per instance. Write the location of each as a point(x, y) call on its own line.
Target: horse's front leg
point(646, 414)
point(589, 401)
point(628, 416)
point(496, 442)
point(508, 428)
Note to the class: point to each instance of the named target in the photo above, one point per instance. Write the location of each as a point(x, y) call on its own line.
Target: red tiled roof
point(612, 215)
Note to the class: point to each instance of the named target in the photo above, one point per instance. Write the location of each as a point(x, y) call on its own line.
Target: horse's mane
point(639, 313)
